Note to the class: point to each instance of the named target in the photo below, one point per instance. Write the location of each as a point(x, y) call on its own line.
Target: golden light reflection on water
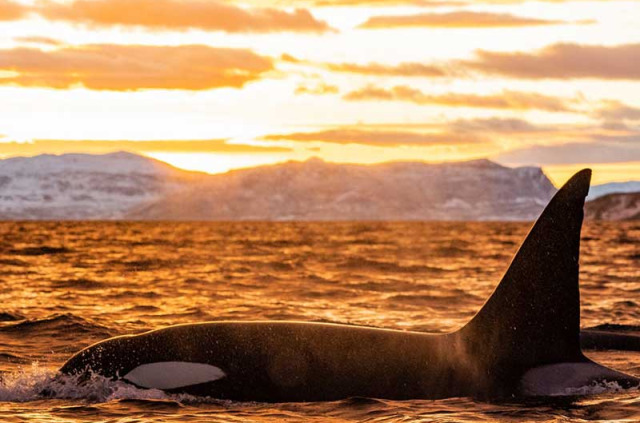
point(403, 275)
point(66, 285)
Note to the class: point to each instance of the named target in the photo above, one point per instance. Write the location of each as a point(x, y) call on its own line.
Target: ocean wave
point(12, 358)
point(42, 250)
point(598, 388)
point(35, 383)
point(144, 264)
point(453, 250)
point(432, 298)
point(386, 266)
point(614, 327)
point(56, 324)
point(129, 294)
point(13, 263)
point(79, 283)
point(144, 308)
point(6, 316)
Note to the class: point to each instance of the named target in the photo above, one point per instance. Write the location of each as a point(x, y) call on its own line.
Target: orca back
point(533, 317)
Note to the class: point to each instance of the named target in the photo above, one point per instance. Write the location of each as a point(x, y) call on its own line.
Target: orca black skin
point(525, 341)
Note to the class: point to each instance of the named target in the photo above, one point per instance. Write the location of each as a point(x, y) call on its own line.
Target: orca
point(525, 341)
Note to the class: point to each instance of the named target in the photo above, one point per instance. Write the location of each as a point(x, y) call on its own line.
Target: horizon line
point(153, 156)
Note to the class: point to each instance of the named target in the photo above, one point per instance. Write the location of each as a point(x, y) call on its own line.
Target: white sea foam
point(36, 383)
point(571, 379)
point(598, 388)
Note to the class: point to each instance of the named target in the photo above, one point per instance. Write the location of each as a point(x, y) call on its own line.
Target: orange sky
point(218, 84)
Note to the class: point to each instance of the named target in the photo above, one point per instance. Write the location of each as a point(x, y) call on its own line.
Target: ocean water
point(64, 286)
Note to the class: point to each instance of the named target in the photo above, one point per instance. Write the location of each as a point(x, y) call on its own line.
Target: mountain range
point(83, 186)
point(620, 206)
point(598, 191)
point(125, 186)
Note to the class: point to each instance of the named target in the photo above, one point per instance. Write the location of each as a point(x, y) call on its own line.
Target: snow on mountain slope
point(81, 186)
point(127, 186)
point(625, 206)
point(598, 191)
point(316, 190)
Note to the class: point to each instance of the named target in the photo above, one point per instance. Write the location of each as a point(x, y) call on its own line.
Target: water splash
point(36, 383)
point(597, 388)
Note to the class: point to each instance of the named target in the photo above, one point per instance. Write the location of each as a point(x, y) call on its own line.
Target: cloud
point(367, 3)
point(38, 40)
point(497, 126)
point(563, 61)
point(519, 132)
point(614, 111)
point(387, 3)
point(166, 146)
point(377, 137)
point(210, 15)
point(424, 3)
point(403, 69)
point(317, 89)
point(133, 67)
point(460, 19)
point(10, 11)
point(513, 100)
point(603, 150)
point(289, 58)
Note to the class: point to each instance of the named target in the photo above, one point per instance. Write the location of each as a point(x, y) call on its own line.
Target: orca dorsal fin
point(533, 316)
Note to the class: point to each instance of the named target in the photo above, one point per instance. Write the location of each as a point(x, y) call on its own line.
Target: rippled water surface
point(67, 285)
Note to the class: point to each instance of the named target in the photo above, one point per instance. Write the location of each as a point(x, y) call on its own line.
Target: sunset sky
point(214, 85)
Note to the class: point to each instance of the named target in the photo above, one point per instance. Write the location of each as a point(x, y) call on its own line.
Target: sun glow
point(215, 163)
point(602, 172)
point(70, 73)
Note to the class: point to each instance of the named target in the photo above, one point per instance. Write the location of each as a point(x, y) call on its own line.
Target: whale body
point(525, 341)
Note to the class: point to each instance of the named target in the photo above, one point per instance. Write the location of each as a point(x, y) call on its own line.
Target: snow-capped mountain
point(128, 186)
point(625, 206)
point(82, 186)
point(317, 190)
point(613, 188)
